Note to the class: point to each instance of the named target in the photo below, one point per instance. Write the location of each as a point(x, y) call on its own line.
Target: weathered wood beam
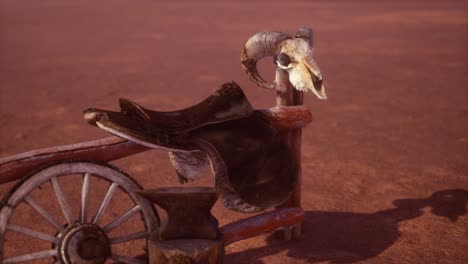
point(286, 95)
point(288, 116)
point(104, 150)
point(262, 223)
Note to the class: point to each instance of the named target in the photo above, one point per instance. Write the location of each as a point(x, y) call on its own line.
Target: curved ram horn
point(258, 46)
point(307, 33)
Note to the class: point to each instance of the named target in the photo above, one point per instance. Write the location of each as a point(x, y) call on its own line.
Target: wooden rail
point(262, 223)
point(103, 150)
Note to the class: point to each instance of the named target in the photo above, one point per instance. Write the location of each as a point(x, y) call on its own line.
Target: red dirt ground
point(395, 126)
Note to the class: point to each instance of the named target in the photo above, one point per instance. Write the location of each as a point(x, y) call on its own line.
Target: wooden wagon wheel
point(76, 238)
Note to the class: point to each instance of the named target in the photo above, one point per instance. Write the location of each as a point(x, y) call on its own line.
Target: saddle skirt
point(252, 164)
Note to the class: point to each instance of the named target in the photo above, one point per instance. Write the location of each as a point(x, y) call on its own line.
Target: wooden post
point(286, 95)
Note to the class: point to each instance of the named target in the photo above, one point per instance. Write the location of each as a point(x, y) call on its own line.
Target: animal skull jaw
point(320, 91)
point(305, 77)
point(318, 88)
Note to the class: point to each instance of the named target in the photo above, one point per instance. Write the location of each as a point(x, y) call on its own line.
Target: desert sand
point(393, 133)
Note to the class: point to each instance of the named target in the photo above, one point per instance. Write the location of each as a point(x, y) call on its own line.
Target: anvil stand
point(190, 233)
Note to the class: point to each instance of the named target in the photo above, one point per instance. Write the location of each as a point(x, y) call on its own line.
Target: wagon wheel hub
point(84, 243)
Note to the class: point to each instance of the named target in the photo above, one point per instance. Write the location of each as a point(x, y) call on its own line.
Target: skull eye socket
point(283, 59)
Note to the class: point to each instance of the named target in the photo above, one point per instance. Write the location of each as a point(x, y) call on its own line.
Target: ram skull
point(292, 54)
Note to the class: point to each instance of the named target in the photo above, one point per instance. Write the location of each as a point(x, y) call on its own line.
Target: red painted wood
point(287, 96)
point(104, 150)
point(262, 223)
point(297, 116)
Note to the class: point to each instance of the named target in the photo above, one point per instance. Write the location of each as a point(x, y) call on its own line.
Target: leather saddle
point(252, 164)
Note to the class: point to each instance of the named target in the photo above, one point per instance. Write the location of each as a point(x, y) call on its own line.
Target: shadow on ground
point(342, 237)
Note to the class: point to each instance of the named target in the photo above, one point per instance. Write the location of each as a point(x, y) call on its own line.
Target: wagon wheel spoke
point(84, 198)
point(105, 203)
point(31, 256)
point(122, 219)
point(62, 200)
point(130, 237)
point(129, 260)
point(86, 226)
point(50, 218)
point(32, 233)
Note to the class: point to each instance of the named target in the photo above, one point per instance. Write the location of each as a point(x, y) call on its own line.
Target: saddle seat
point(226, 104)
point(251, 162)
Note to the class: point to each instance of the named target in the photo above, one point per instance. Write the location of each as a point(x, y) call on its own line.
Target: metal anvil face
point(188, 212)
